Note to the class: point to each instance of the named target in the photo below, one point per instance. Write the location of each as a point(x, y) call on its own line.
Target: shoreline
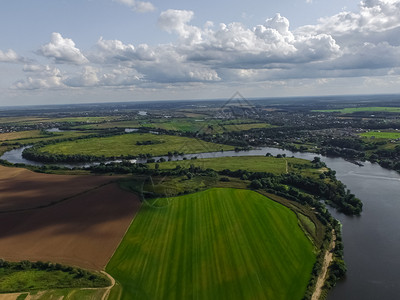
point(328, 258)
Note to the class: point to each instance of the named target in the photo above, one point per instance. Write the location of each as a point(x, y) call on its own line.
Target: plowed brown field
point(22, 189)
point(83, 230)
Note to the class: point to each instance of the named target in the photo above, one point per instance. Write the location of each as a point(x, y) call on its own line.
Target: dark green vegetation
point(216, 244)
point(30, 276)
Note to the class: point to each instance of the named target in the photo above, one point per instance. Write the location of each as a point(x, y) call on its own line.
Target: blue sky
point(76, 51)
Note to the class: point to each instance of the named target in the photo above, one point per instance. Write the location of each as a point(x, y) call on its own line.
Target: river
point(372, 241)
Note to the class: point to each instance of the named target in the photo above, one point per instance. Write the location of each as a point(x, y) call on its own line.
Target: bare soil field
point(21, 189)
point(82, 231)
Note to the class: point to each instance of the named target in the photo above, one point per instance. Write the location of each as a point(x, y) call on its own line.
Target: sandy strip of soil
point(322, 276)
point(83, 231)
point(23, 189)
point(10, 296)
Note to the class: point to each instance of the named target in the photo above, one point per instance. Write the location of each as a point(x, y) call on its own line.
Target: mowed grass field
point(126, 144)
point(19, 135)
point(249, 163)
point(349, 110)
point(381, 134)
point(221, 243)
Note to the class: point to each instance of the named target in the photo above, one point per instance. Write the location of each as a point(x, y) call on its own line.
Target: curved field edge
point(221, 243)
point(133, 144)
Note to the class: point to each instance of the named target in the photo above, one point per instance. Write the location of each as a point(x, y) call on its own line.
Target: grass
point(31, 280)
point(349, 110)
point(19, 135)
point(67, 294)
point(240, 127)
point(182, 124)
point(126, 145)
point(215, 244)
point(166, 185)
point(34, 136)
point(249, 163)
point(381, 134)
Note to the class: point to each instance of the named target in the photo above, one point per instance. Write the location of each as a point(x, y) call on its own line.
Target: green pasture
point(350, 110)
point(10, 136)
point(126, 144)
point(221, 243)
point(249, 163)
point(241, 127)
point(382, 134)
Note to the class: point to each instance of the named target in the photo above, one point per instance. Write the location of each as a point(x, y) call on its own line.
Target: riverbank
point(328, 258)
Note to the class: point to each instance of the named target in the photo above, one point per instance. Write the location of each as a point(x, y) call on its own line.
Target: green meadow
point(350, 110)
point(221, 243)
point(249, 163)
point(382, 134)
point(127, 144)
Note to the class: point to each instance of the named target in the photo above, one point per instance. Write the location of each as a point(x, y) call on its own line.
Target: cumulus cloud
point(348, 44)
point(44, 77)
point(62, 50)
point(115, 51)
point(374, 18)
point(138, 6)
point(94, 77)
point(173, 20)
point(9, 56)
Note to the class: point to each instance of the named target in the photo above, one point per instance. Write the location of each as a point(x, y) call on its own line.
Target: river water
point(372, 241)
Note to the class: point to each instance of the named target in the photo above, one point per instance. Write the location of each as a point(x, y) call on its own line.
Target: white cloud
point(62, 50)
point(173, 20)
point(94, 77)
point(44, 77)
point(139, 6)
point(373, 19)
point(349, 44)
point(9, 56)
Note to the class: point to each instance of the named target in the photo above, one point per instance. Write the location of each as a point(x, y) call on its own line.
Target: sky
point(81, 51)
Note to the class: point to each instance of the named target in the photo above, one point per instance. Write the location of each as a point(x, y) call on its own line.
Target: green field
point(240, 127)
point(215, 244)
point(19, 135)
point(382, 134)
point(126, 144)
point(249, 163)
point(350, 110)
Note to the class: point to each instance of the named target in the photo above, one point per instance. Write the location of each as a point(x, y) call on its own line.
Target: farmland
point(249, 163)
point(19, 135)
point(78, 221)
point(215, 244)
point(382, 134)
point(127, 144)
point(41, 189)
point(180, 124)
point(350, 110)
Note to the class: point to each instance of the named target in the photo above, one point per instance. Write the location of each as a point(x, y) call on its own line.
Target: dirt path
point(322, 276)
point(286, 163)
point(10, 296)
point(14, 296)
point(108, 289)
